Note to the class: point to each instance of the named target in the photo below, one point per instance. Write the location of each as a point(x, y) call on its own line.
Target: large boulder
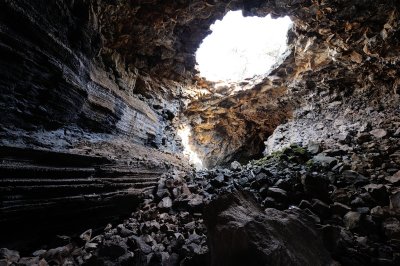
point(241, 233)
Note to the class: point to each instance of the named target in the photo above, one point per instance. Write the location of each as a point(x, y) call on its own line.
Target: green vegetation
point(310, 163)
point(288, 153)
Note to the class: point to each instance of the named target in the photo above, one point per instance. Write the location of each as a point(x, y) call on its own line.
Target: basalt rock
point(92, 93)
point(254, 237)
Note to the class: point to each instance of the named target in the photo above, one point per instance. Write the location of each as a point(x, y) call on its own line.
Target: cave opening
point(242, 47)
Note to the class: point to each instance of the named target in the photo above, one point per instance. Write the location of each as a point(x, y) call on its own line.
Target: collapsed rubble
point(355, 215)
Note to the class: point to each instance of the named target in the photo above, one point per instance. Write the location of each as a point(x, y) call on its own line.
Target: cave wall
point(233, 127)
point(345, 82)
point(341, 79)
point(83, 134)
point(56, 76)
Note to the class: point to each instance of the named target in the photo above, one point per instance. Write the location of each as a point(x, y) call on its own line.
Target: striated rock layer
point(81, 139)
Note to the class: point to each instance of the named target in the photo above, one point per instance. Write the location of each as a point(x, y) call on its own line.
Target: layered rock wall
point(81, 139)
point(53, 77)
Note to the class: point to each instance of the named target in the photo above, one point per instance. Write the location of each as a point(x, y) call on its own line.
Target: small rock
point(269, 202)
point(11, 256)
point(39, 253)
point(391, 227)
point(124, 232)
point(341, 195)
point(244, 181)
point(56, 253)
point(363, 210)
point(325, 160)
point(313, 216)
point(363, 137)
point(236, 166)
point(394, 179)
point(27, 261)
point(113, 249)
point(378, 133)
point(138, 243)
point(127, 259)
point(85, 236)
point(305, 204)
point(340, 209)
point(147, 239)
point(43, 262)
point(190, 226)
point(352, 177)
point(362, 240)
point(357, 202)
point(218, 181)
point(377, 212)
point(379, 193)
point(90, 246)
point(397, 133)
point(165, 203)
point(162, 191)
point(277, 193)
point(320, 208)
point(313, 147)
point(344, 138)
point(395, 201)
point(352, 220)
point(108, 228)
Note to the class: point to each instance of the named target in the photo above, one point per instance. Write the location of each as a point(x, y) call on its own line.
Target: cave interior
point(115, 150)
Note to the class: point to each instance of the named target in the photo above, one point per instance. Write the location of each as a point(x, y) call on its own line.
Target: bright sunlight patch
point(242, 47)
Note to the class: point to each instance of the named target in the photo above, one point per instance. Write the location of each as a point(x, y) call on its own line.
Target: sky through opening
point(241, 47)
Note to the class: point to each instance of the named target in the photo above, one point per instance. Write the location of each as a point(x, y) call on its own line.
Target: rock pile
point(356, 215)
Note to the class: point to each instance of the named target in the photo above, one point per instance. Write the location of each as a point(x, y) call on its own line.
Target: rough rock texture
point(79, 138)
point(345, 74)
point(93, 90)
point(341, 75)
point(118, 60)
point(353, 215)
point(251, 236)
point(246, 118)
point(44, 192)
point(54, 81)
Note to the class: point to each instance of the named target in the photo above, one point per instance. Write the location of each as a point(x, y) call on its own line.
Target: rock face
point(79, 139)
point(92, 93)
point(45, 192)
point(241, 233)
point(338, 81)
point(342, 82)
point(54, 82)
point(246, 118)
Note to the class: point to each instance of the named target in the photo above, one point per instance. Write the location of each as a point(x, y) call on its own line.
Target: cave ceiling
point(141, 55)
point(341, 45)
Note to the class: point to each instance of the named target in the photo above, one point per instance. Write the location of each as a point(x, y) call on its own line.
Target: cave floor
point(355, 216)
